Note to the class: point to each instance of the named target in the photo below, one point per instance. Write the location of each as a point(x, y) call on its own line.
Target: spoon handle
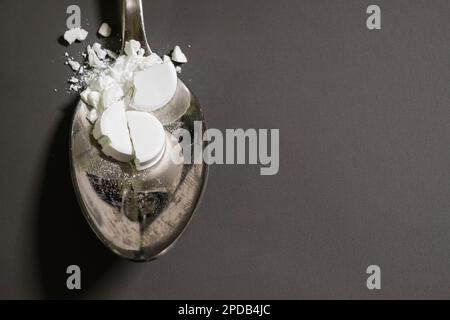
point(133, 27)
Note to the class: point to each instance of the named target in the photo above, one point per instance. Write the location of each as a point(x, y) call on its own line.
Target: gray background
point(365, 159)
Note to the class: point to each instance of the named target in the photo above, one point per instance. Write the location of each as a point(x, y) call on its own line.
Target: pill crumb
point(75, 34)
point(74, 65)
point(178, 55)
point(105, 30)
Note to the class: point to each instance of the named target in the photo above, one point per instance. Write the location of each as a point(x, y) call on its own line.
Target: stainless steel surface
point(138, 215)
point(133, 27)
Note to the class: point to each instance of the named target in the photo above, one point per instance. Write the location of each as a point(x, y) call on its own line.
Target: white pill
point(111, 132)
point(154, 87)
point(148, 138)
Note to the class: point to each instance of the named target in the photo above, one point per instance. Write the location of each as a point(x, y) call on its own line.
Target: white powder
point(94, 60)
point(97, 47)
point(114, 80)
point(73, 80)
point(111, 54)
point(74, 65)
point(75, 34)
point(120, 92)
point(91, 98)
point(75, 87)
point(92, 116)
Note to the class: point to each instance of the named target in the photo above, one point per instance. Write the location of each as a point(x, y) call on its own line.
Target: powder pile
point(120, 93)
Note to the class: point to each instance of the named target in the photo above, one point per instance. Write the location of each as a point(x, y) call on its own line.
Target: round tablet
point(148, 137)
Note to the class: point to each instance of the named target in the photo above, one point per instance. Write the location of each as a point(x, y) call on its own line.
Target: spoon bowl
point(139, 215)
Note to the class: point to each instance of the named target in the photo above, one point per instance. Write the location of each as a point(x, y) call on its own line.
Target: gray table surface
point(364, 120)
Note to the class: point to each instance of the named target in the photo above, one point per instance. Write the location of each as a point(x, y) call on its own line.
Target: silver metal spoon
point(139, 215)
